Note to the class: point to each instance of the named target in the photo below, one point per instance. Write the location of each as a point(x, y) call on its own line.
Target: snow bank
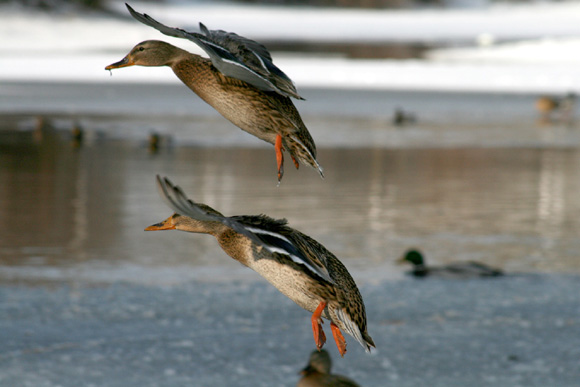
point(70, 47)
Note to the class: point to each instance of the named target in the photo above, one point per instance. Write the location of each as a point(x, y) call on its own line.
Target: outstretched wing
point(233, 55)
point(253, 228)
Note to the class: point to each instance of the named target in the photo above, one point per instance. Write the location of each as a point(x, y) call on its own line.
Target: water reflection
point(64, 209)
point(551, 205)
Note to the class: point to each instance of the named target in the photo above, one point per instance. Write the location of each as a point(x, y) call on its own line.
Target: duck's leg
point(339, 338)
point(279, 156)
point(319, 336)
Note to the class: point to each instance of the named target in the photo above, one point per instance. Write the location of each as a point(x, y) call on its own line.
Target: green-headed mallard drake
point(317, 373)
point(297, 265)
point(454, 270)
point(239, 80)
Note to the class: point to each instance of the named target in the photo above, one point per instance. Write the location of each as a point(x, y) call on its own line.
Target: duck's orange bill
point(125, 62)
point(165, 225)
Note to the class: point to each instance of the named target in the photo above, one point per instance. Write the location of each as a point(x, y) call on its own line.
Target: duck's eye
point(141, 48)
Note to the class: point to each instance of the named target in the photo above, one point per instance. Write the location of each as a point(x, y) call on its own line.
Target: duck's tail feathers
point(305, 155)
point(355, 331)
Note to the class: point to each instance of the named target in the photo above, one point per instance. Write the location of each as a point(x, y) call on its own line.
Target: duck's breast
point(245, 106)
point(290, 282)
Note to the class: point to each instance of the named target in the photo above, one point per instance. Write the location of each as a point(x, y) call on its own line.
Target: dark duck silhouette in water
point(453, 270)
point(239, 80)
point(317, 373)
point(297, 265)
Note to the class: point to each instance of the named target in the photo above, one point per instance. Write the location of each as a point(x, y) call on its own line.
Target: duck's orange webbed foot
point(339, 338)
point(279, 156)
point(319, 336)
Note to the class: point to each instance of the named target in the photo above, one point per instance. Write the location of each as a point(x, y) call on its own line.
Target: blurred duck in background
point(153, 142)
point(402, 117)
point(317, 373)
point(77, 135)
point(454, 270)
point(554, 109)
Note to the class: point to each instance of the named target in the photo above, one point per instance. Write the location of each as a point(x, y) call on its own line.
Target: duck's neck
point(177, 55)
point(191, 69)
point(237, 246)
point(201, 227)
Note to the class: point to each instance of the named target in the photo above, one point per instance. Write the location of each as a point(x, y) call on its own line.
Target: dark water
point(71, 213)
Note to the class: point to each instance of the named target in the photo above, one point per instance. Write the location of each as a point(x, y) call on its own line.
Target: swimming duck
point(402, 117)
point(297, 265)
point(317, 373)
point(153, 142)
point(453, 270)
point(560, 107)
point(239, 80)
point(77, 135)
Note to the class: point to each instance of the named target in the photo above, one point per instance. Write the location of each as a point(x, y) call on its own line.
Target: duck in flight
point(239, 80)
point(297, 265)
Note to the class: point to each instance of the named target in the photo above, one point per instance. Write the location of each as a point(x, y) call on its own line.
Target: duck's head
point(168, 224)
point(186, 223)
point(320, 362)
point(180, 222)
point(148, 53)
point(413, 256)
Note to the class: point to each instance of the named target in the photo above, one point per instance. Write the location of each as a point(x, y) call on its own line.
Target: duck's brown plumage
point(264, 114)
point(297, 265)
point(267, 112)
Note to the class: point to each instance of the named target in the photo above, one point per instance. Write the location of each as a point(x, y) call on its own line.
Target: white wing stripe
point(261, 231)
point(294, 258)
point(249, 70)
point(261, 62)
point(280, 250)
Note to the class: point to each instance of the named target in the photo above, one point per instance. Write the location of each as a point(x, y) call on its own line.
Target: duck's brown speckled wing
point(233, 55)
point(278, 238)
